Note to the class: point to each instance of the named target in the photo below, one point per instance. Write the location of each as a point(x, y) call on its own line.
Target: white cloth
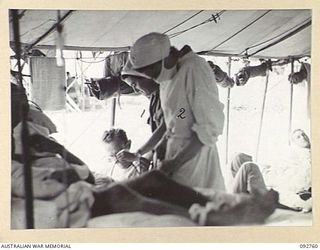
point(48, 82)
point(139, 219)
point(194, 89)
point(292, 175)
point(288, 176)
point(121, 174)
point(55, 205)
point(44, 187)
point(70, 208)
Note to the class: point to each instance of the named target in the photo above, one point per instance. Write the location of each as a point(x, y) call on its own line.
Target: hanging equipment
point(59, 42)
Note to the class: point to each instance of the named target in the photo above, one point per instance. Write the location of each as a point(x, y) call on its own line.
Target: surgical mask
point(165, 74)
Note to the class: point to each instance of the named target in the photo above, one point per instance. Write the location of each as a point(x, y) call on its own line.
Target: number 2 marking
point(182, 110)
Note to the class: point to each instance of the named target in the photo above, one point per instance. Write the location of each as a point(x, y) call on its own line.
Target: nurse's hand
point(167, 166)
point(144, 164)
point(126, 155)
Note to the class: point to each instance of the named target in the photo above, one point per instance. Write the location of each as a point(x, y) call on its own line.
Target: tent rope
point(212, 18)
point(292, 33)
point(38, 26)
point(49, 31)
point(275, 37)
point(183, 22)
point(238, 32)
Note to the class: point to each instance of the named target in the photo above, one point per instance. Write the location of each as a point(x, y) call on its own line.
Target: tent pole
point(27, 170)
point(262, 114)
point(113, 112)
point(291, 103)
point(82, 84)
point(228, 112)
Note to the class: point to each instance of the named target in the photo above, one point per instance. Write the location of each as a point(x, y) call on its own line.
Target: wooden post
point(262, 114)
point(82, 84)
point(228, 113)
point(27, 170)
point(113, 111)
point(291, 104)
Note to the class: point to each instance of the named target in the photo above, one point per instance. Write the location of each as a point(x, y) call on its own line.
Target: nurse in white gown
point(193, 113)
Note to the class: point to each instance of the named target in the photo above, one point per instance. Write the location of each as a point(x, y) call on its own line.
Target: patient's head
point(300, 138)
point(116, 140)
point(138, 81)
point(140, 84)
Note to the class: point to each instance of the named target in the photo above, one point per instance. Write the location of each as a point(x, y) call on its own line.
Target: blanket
point(71, 208)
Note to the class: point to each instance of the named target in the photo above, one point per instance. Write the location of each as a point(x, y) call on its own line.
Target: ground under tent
point(281, 35)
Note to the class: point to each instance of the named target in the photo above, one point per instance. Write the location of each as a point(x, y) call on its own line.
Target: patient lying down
point(291, 178)
point(64, 181)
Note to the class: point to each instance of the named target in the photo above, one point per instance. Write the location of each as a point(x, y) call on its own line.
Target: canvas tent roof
point(215, 32)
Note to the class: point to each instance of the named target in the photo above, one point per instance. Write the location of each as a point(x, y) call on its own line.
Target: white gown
point(193, 94)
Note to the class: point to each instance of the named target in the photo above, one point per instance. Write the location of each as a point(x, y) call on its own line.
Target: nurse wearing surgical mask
point(193, 113)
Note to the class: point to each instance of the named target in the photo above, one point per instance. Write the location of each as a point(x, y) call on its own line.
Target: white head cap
point(149, 49)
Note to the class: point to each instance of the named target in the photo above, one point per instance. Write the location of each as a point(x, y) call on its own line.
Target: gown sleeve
point(203, 97)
